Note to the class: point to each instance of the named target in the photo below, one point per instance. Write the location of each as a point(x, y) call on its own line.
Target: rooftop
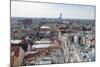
point(45, 27)
point(43, 41)
point(41, 46)
point(16, 41)
point(31, 52)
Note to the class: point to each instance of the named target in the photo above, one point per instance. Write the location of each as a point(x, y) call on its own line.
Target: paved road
point(76, 55)
point(57, 55)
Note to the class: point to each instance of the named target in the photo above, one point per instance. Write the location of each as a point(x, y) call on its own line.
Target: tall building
point(64, 45)
point(17, 53)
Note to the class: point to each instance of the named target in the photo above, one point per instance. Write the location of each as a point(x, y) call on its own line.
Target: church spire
point(60, 16)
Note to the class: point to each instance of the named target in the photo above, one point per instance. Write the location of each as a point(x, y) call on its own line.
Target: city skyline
point(49, 33)
point(49, 10)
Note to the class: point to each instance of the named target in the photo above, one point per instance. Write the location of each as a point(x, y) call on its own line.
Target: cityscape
point(42, 41)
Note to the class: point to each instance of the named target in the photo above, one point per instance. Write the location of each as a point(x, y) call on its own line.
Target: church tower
point(60, 16)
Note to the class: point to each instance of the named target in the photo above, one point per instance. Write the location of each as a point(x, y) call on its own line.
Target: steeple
point(60, 16)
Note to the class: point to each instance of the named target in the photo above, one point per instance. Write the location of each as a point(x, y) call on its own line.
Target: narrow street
point(57, 55)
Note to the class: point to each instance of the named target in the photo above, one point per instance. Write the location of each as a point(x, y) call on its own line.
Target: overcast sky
point(48, 10)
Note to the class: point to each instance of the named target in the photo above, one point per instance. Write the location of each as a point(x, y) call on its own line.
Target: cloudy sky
point(48, 10)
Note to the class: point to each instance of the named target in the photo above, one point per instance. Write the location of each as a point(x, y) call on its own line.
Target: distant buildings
point(44, 32)
point(51, 40)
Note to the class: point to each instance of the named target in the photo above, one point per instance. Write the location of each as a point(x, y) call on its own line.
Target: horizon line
point(51, 18)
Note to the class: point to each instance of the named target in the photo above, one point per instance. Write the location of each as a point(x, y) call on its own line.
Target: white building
point(64, 45)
